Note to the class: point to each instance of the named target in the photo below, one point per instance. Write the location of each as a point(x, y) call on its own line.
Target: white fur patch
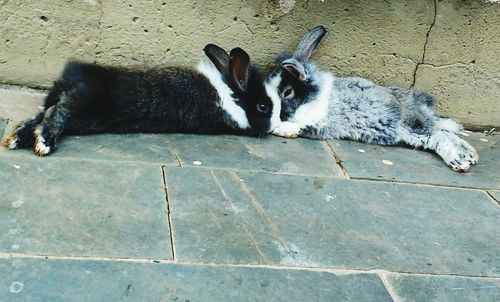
point(12, 143)
point(271, 87)
point(448, 125)
point(287, 129)
point(227, 102)
point(40, 148)
point(455, 152)
point(316, 110)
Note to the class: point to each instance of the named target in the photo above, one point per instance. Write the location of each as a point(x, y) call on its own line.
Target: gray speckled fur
point(357, 109)
point(362, 111)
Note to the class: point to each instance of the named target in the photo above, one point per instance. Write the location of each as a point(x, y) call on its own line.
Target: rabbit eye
point(288, 93)
point(262, 108)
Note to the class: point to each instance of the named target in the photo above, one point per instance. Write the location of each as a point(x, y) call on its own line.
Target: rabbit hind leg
point(22, 136)
point(50, 129)
point(455, 152)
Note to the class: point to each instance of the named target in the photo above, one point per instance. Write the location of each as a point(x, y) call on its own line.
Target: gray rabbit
point(317, 104)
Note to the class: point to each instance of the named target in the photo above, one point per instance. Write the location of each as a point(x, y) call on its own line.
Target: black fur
point(107, 99)
point(90, 98)
point(258, 119)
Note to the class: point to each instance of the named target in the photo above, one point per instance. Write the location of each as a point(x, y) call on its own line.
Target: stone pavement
point(144, 217)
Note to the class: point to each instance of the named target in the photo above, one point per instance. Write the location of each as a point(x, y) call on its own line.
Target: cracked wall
point(448, 48)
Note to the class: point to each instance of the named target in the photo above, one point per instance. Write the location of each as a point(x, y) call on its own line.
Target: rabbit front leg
point(287, 129)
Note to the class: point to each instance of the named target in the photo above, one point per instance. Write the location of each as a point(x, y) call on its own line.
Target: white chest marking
point(272, 92)
point(227, 102)
point(316, 110)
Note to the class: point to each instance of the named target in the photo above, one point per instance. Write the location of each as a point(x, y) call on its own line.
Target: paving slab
point(206, 223)
point(245, 217)
point(416, 166)
point(443, 288)
point(19, 104)
point(57, 207)
point(269, 154)
point(70, 280)
point(135, 147)
point(495, 194)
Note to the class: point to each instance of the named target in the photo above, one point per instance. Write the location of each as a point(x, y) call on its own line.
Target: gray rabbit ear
point(295, 68)
point(219, 58)
point(309, 43)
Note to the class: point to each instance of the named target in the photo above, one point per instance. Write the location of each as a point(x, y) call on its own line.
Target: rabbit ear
point(239, 63)
point(295, 68)
point(219, 57)
point(309, 43)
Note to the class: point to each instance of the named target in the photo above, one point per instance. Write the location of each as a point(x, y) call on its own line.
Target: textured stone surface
point(18, 104)
point(495, 194)
point(270, 154)
point(3, 123)
point(142, 147)
point(467, 93)
point(418, 166)
point(45, 280)
point(443, 288)
point(462, 66)
point(171, 32)
point(205, 218)
point(130, 148)
point(380, 40)
point(240, 217)
point(78, 208)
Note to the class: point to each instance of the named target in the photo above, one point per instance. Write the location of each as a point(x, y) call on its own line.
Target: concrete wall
point(449, 48)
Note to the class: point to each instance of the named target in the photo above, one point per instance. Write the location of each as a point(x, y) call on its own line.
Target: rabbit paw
point(21, 137)
point(11, 141)
point(43, 145)
point(462, 159)
point(287, 129)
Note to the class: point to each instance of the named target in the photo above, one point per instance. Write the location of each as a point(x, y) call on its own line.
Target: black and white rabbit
point(317, 104)
point(226, 95)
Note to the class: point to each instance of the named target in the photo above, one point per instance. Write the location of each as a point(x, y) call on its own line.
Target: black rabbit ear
point(309, 44)
point(219, 57)
point(239, 64)
point(295, 68)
